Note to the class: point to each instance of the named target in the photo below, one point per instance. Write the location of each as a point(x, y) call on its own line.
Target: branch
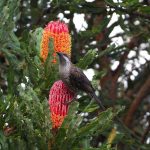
point(135, 104)
point(120, 66)
point(130, 12)
point(145, 133)
point(133, 42)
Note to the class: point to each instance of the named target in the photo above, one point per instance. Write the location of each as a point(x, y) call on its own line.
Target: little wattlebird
point(75, 79)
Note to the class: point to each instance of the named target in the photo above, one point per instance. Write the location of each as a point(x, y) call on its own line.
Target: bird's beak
point(58, 53)
point(60, 56)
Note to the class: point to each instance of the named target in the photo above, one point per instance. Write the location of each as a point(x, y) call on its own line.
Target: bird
point(75, 79)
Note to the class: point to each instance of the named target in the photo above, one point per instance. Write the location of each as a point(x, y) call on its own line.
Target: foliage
point(25, 81)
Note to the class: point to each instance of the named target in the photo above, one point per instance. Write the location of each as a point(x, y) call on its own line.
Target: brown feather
point(79, 80)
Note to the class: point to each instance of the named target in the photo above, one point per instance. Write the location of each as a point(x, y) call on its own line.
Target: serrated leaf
point(91, 107)
point(87, 59)
point(110, 2)
point(96, 29)
point(10, 80)
point(144, 9)
point(35, 40)
point(98, 124)
point(128, 3)
point(50, 68)
point(100, 75)
point(107, 50)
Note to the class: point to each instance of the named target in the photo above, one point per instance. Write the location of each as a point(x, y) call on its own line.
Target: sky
point(81, 25)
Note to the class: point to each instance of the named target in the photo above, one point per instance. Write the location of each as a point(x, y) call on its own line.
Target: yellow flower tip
point(54, 61)
point(57, 120)
point(59, 93)
point(59, 32)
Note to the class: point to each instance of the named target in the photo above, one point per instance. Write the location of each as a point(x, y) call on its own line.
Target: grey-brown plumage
point(74, 78)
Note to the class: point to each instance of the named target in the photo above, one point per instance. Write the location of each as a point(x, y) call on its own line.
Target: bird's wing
point(79, 80)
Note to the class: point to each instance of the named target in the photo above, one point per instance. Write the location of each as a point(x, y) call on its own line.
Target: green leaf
point(107, 50)
point(144, 9)
point(10, 80)
point(87, 59)
point(128, 3)
point(99, 28)
point(50, 68)
point(110, 2)
point(98, 125)
point(91, 107)
point(36, 38)
point(100, 75)
point(95, 29)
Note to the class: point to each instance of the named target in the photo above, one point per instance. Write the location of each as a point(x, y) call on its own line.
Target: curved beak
point(59, 54)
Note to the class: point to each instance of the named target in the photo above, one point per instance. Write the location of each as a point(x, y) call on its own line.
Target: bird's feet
point(69, 102)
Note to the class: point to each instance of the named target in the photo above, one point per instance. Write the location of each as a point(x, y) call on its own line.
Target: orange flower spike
point(59, 32)
point(59, 94)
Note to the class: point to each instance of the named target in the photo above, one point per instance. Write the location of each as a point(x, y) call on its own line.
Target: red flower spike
point(59, 32)
point(59, 94)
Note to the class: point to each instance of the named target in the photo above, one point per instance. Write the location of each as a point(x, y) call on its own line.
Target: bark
point(145, 133)
point(137, 101)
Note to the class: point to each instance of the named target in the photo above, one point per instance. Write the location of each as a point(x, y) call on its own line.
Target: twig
point(133, 13)
point(145, 133)
point(120, 66)
point(140, 96)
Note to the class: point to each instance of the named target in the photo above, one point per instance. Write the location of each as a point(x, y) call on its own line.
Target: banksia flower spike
point(59, 94)
point(59, 32)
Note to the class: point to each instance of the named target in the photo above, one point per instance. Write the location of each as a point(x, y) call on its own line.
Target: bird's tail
point(116, 117)
point(97, 100)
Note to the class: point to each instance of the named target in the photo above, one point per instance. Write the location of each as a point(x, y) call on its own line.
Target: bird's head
point(63, 58)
